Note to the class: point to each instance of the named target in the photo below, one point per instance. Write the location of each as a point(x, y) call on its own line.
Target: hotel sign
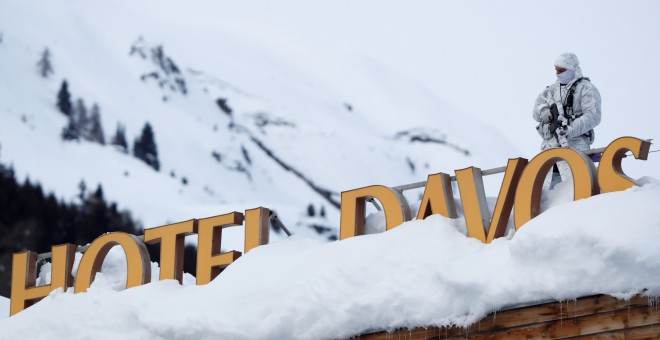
point(521, 187)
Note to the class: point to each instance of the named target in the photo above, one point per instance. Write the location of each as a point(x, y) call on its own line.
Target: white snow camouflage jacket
point(585, 113)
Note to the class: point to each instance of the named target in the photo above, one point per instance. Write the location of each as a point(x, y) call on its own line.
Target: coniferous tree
point(80, 113)
point(82, 193)
point(44, 66)
point(94, 126)
point(71, 131)
point(144, 147)
point(76, 127)
point(84, 125)
point(31, 220)
point(64, 99)
point(81, 119)
point(119, 139)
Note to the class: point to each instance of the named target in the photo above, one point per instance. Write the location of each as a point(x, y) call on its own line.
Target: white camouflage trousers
point(564, 170)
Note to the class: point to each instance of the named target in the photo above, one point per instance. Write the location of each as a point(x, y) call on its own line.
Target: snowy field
point(4, 307)
point(335, 90)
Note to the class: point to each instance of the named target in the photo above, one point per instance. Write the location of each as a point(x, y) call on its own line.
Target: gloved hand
point(544, 130)
point(565, 131)
point(545, 115)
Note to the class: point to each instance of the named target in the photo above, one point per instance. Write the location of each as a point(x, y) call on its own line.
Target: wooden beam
point(585, 325)
point(645, 332)
point(594, 315)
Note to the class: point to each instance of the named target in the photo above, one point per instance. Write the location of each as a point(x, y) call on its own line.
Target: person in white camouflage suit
point(580, 101)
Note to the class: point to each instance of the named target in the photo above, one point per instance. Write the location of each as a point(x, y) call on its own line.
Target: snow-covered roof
point(421, 273)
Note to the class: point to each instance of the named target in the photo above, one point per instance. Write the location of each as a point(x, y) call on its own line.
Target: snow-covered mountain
point(286, 104)
point(247, 119)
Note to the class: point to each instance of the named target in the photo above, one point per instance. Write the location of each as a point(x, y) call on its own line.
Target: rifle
point(559, 117)
point(559, 121)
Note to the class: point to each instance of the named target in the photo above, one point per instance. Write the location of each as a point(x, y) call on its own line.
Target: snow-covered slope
point(4, 307)
point(242, 117)
point(284, 100)
point(419, 274)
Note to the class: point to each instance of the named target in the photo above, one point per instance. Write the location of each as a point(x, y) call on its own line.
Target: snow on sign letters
point(522, 186)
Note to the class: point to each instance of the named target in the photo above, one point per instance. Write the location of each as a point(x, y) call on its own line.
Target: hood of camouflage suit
point(569, 61)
